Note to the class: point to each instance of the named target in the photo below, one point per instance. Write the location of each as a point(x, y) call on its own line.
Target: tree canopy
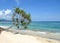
point(20, 17)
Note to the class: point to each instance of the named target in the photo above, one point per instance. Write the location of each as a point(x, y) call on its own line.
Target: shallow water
point(50, 26)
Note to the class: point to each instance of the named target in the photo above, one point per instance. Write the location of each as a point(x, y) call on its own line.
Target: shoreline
point(14, 38)
point(40, 37)
point(55, 36)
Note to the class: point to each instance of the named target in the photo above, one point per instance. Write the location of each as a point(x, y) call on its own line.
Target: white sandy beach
point(8, 37)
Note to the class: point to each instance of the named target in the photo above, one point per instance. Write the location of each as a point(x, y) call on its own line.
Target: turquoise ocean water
point(50, 26)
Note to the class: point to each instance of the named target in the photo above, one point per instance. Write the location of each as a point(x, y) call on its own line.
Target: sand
point(9, 37)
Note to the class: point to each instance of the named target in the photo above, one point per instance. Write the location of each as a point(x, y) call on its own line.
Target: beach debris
point(1, 29)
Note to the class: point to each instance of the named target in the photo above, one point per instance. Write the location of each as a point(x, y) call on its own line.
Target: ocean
point(41, 28)
point(49, 26)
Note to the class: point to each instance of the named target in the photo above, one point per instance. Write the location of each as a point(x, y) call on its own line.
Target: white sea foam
point(36, 33)
point(4, 26)
point(42, 34)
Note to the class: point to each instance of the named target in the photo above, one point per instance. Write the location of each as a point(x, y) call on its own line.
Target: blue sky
point(41, 10)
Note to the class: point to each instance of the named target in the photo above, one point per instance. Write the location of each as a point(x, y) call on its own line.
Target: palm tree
point(17, 10)
point(24, 18)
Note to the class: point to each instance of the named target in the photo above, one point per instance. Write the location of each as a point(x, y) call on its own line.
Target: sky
point(40, 10)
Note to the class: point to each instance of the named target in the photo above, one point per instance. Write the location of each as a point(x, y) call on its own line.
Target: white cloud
point(1, 13)
point(7, 11)
point(5, 14)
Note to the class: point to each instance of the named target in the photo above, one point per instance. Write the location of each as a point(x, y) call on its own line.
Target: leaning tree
point(20, 17)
